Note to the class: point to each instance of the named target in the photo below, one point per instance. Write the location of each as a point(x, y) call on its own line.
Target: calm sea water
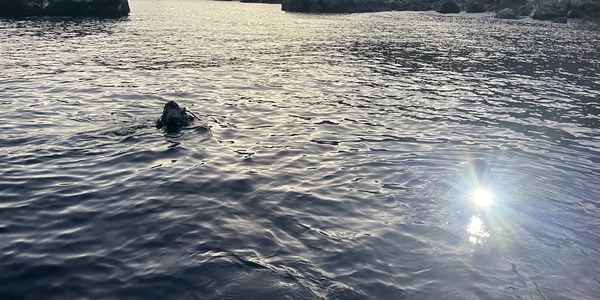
point(336, 158)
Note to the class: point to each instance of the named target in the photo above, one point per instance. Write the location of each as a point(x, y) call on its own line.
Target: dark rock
point(507, 13)
point(335, 6)
point(560, 20)
point(550, 9)
point(70, 8)
point(475, 7)
point(296, 5)
point(574, 13)
point(514, 4)
point(538, 9)
point(448, 7)
point(526, 8)
point(586, 9)
point(173, 118)
point(262, 1)
point(412, 5)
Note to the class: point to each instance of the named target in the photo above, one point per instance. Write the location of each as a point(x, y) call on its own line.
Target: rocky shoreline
point(67, 8)
point(554, 10)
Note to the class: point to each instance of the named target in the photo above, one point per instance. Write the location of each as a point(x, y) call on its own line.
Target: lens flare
point(482, 197)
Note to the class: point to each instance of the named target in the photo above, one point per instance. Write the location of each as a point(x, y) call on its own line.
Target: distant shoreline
point(548, 10)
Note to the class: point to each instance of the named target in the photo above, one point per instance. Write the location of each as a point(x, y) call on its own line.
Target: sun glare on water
point(482, 197)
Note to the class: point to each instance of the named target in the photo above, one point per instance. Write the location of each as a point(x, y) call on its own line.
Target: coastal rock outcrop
point(527, 8)
point(72, 8)
point(448, 7)
point(550, 9)
point(262, 1)
point(514, 4)
point(555, 10)
point(412, 5)
point(586, 9)
point(335, 6)
point(507, 13)
point(475, 7)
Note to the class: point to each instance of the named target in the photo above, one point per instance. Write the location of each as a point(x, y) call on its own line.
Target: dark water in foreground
point(333, 166)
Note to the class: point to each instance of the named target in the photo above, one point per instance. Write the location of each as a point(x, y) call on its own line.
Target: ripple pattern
point(335, 166)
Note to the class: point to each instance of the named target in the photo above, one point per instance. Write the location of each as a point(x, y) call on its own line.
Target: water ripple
point(334, 160)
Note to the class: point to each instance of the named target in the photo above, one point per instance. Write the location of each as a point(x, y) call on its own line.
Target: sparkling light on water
point(477, 230)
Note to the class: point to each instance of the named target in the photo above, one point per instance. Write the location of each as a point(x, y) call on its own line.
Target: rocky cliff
point(538, 9)
point(335, 6)
point(76, 8)
point(262, 1)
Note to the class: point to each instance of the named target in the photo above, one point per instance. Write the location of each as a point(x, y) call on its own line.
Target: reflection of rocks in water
point(72, 8)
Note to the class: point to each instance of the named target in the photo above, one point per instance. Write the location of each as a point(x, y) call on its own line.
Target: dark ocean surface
point(336, 157)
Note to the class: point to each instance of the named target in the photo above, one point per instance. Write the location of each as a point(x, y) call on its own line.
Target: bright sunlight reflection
point(482, 197)
point(478, 231)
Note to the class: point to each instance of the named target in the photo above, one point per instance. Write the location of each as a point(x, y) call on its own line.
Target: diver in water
point(174, 118)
